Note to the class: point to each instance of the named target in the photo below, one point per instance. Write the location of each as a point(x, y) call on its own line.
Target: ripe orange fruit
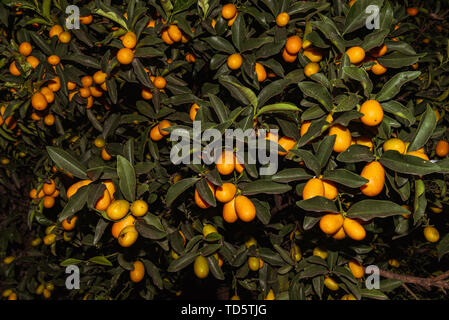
point(343, 139)
point(225, 164)
point(356, 54)
point(331, 284)
point(305, 127)
point(356, 269)
point(33, 61)
point(104, 201)
point(53, 60)
point(74, 187)
point(49, 187)
point(25, 49)
point(234, 61)
point(431, 234)
point(129, 40)
point(418, 154)
point(69, 223)
point(412, 11)
point(287, 56)
point(293, 45)
point(128, 236)
point(330, 190)
point(54, 84)
point(201, 267)
point(311, 68)
point(373, 113)
point(375, 173)
point(287, 143)
point(190, 58)
point(282, 19)
point(378, 69)
point(364, 141)
point(229, 212)
point(245, 209)
point(56, 30)
point(394, 144)
point(99, 77)
point(261, 72)
point(174, 33)
point(193, 111)
point(228, 11)
point(163, 125)
point(313, 54)
point(442, 148)
point(200, 202)
point(49, 95)
point(354, 229)
point(87, 81)
point(71, 85)
point(351, 3)
point(165, 37)
point(38, 101)
point(239, 167)
point(13, 69)
point(313, 188)
point(117, 209)
point(65, 37)
point(146, 94)
point(118, 226)
point(86, 19)
point(225, 192)
point(331, 223)
point(139, 208)
point(379, 51)
point(137, 274)
point(340, 234)
point(155, 134)
point(125, 56)
point(49, 202)
point(159, 82)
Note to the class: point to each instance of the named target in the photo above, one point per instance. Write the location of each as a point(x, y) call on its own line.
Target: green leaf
point(424, 131)
point(214, 268)
point(393, 86)
point(317, 204)
point(262, 210)
point(178, 188)
point(407, 164)
point(75, 204)
point(400, 111)
point(101, 260)
point(361, 76)
point(127, 178)
point(373, 294)
point(398, 60)
point(309, 159)
point(356, 153)
point(70, 261)
point(149, 231)
point(153, 271)
point(277, 107)
point(183, 261)
point(291, 174)
point(205, 192)
point(67, 162)
point(368, 209)
point(443, 246)
point(247, 92)
point(220, 44)
point(345, 177)
point(318, 92)
point(357, 15)
point(239, 32)
point(264, 186)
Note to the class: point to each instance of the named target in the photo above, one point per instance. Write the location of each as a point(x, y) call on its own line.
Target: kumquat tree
point(256, 149)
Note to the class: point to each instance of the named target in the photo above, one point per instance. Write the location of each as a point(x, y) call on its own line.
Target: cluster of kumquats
point(168, 86)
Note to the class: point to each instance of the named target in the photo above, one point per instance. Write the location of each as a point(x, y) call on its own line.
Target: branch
point(427, 283)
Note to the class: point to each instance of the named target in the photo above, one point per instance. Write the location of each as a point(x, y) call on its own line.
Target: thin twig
point(410, 291)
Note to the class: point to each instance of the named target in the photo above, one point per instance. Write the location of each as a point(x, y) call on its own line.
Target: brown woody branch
point(427, 283)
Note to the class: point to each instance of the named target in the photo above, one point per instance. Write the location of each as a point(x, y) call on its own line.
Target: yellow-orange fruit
point(69, 223)
point(159, 82)
point(13, 69)
point(394, 144)
point(53, 60)
point(343, 137)
point(125, 56)
point(228, 11)
point(311, 68)
point(74, 187)
point(229, 212)
point(137, 274)
point(193, 111)
point(293, 45)
point(234, 61)
point(354, 229)
point(282, 19)
point(372, 113)
point(104, 201)
point(33, 61)
point(261, 72)
point(375, 173)
point(379, 51)
point(225, 192)
point(25, 49)
point(225, 164)
point(174, 33)
point(330, 190)
point(356, 54)
point(356, 269)
point(118, 226)
point(49, 187)
point(313, 54)
point(418, 154)
point(200, 202)
point(245, 209)
point(38, 101)
point(340, 234)
point(331, 223)
point(442, 148)
point(313, 188)
point(49, 202)
point(129, 40)
point(287, 56)
point(287, 143)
